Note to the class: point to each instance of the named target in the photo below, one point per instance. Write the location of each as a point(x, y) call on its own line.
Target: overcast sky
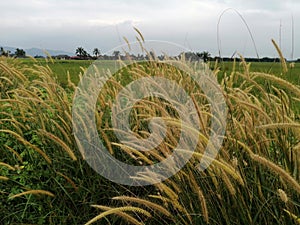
point(68, 24)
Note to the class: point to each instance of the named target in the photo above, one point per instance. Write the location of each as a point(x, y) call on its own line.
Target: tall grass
point(257, 165)
point(44, 179)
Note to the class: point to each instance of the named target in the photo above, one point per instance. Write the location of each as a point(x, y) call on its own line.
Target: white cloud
point(68, 23)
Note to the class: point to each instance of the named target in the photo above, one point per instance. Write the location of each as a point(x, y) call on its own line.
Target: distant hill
point(38, 52)
point(41, 52)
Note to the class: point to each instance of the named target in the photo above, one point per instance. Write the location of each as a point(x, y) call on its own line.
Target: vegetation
point(205, 55)
point(96, 52)
point(80, 52)
point(75, 68)
point(20, 53)
point(254, 180)
point(3, 52)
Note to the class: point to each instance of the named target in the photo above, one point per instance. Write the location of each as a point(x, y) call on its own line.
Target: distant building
point(62, 57)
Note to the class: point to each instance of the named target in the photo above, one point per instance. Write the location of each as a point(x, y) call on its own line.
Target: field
point(60, 68)
point(46, 176)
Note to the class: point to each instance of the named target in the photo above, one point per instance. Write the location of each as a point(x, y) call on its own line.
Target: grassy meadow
point(61, 68)
point(255, 178)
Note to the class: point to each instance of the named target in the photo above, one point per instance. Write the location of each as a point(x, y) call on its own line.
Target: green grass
point(76, 68)
point(275, 68)
point(254, 180)
point(292, 76)
point(61, 68)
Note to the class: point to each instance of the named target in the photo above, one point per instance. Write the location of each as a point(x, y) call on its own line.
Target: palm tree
point(81, 52)
point(204, 55)
point(96, 52)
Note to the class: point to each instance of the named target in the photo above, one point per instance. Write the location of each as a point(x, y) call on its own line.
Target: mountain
point(39, 52)
point(10, 49)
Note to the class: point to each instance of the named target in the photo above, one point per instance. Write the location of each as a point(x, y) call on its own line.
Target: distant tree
point(3, 52)
point(39, 57)
point(204, 55)
point(116, 54)
point(81, 52)
point(96, 52)
point(20, 53)
point(140, 57)
point(85, 54)
point(152, 55)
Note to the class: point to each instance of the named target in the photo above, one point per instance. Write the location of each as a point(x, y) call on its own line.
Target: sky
point(199, 25)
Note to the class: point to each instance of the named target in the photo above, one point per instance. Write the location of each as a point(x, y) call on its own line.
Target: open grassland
point(45, 180)
point(275, 68)
point(61, 68)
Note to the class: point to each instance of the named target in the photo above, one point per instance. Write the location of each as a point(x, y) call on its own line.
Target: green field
point(45, 177)
point(292, 76)
point(60, 68)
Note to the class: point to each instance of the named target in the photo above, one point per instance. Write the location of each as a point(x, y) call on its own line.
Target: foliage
point(38, 152)
point(44, 180)
point(20, 53)
point(205, 55)
point(96, 52)
point(81, 52)
point(3, 52)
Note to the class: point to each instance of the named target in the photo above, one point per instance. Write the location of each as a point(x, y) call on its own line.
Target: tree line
point(193, 56)
point(82, 54)
point(19, 53)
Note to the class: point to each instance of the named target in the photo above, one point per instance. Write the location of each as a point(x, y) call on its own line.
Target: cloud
point(102, 23)
point(266, 5)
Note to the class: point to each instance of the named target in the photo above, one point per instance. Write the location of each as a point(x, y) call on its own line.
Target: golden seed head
point(235, 162)
point(283, 196)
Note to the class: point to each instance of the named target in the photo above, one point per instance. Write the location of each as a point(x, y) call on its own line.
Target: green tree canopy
point(205, 55)
point(20, 53)
point(3, 52)
point(81, 52)
point(96, 52)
